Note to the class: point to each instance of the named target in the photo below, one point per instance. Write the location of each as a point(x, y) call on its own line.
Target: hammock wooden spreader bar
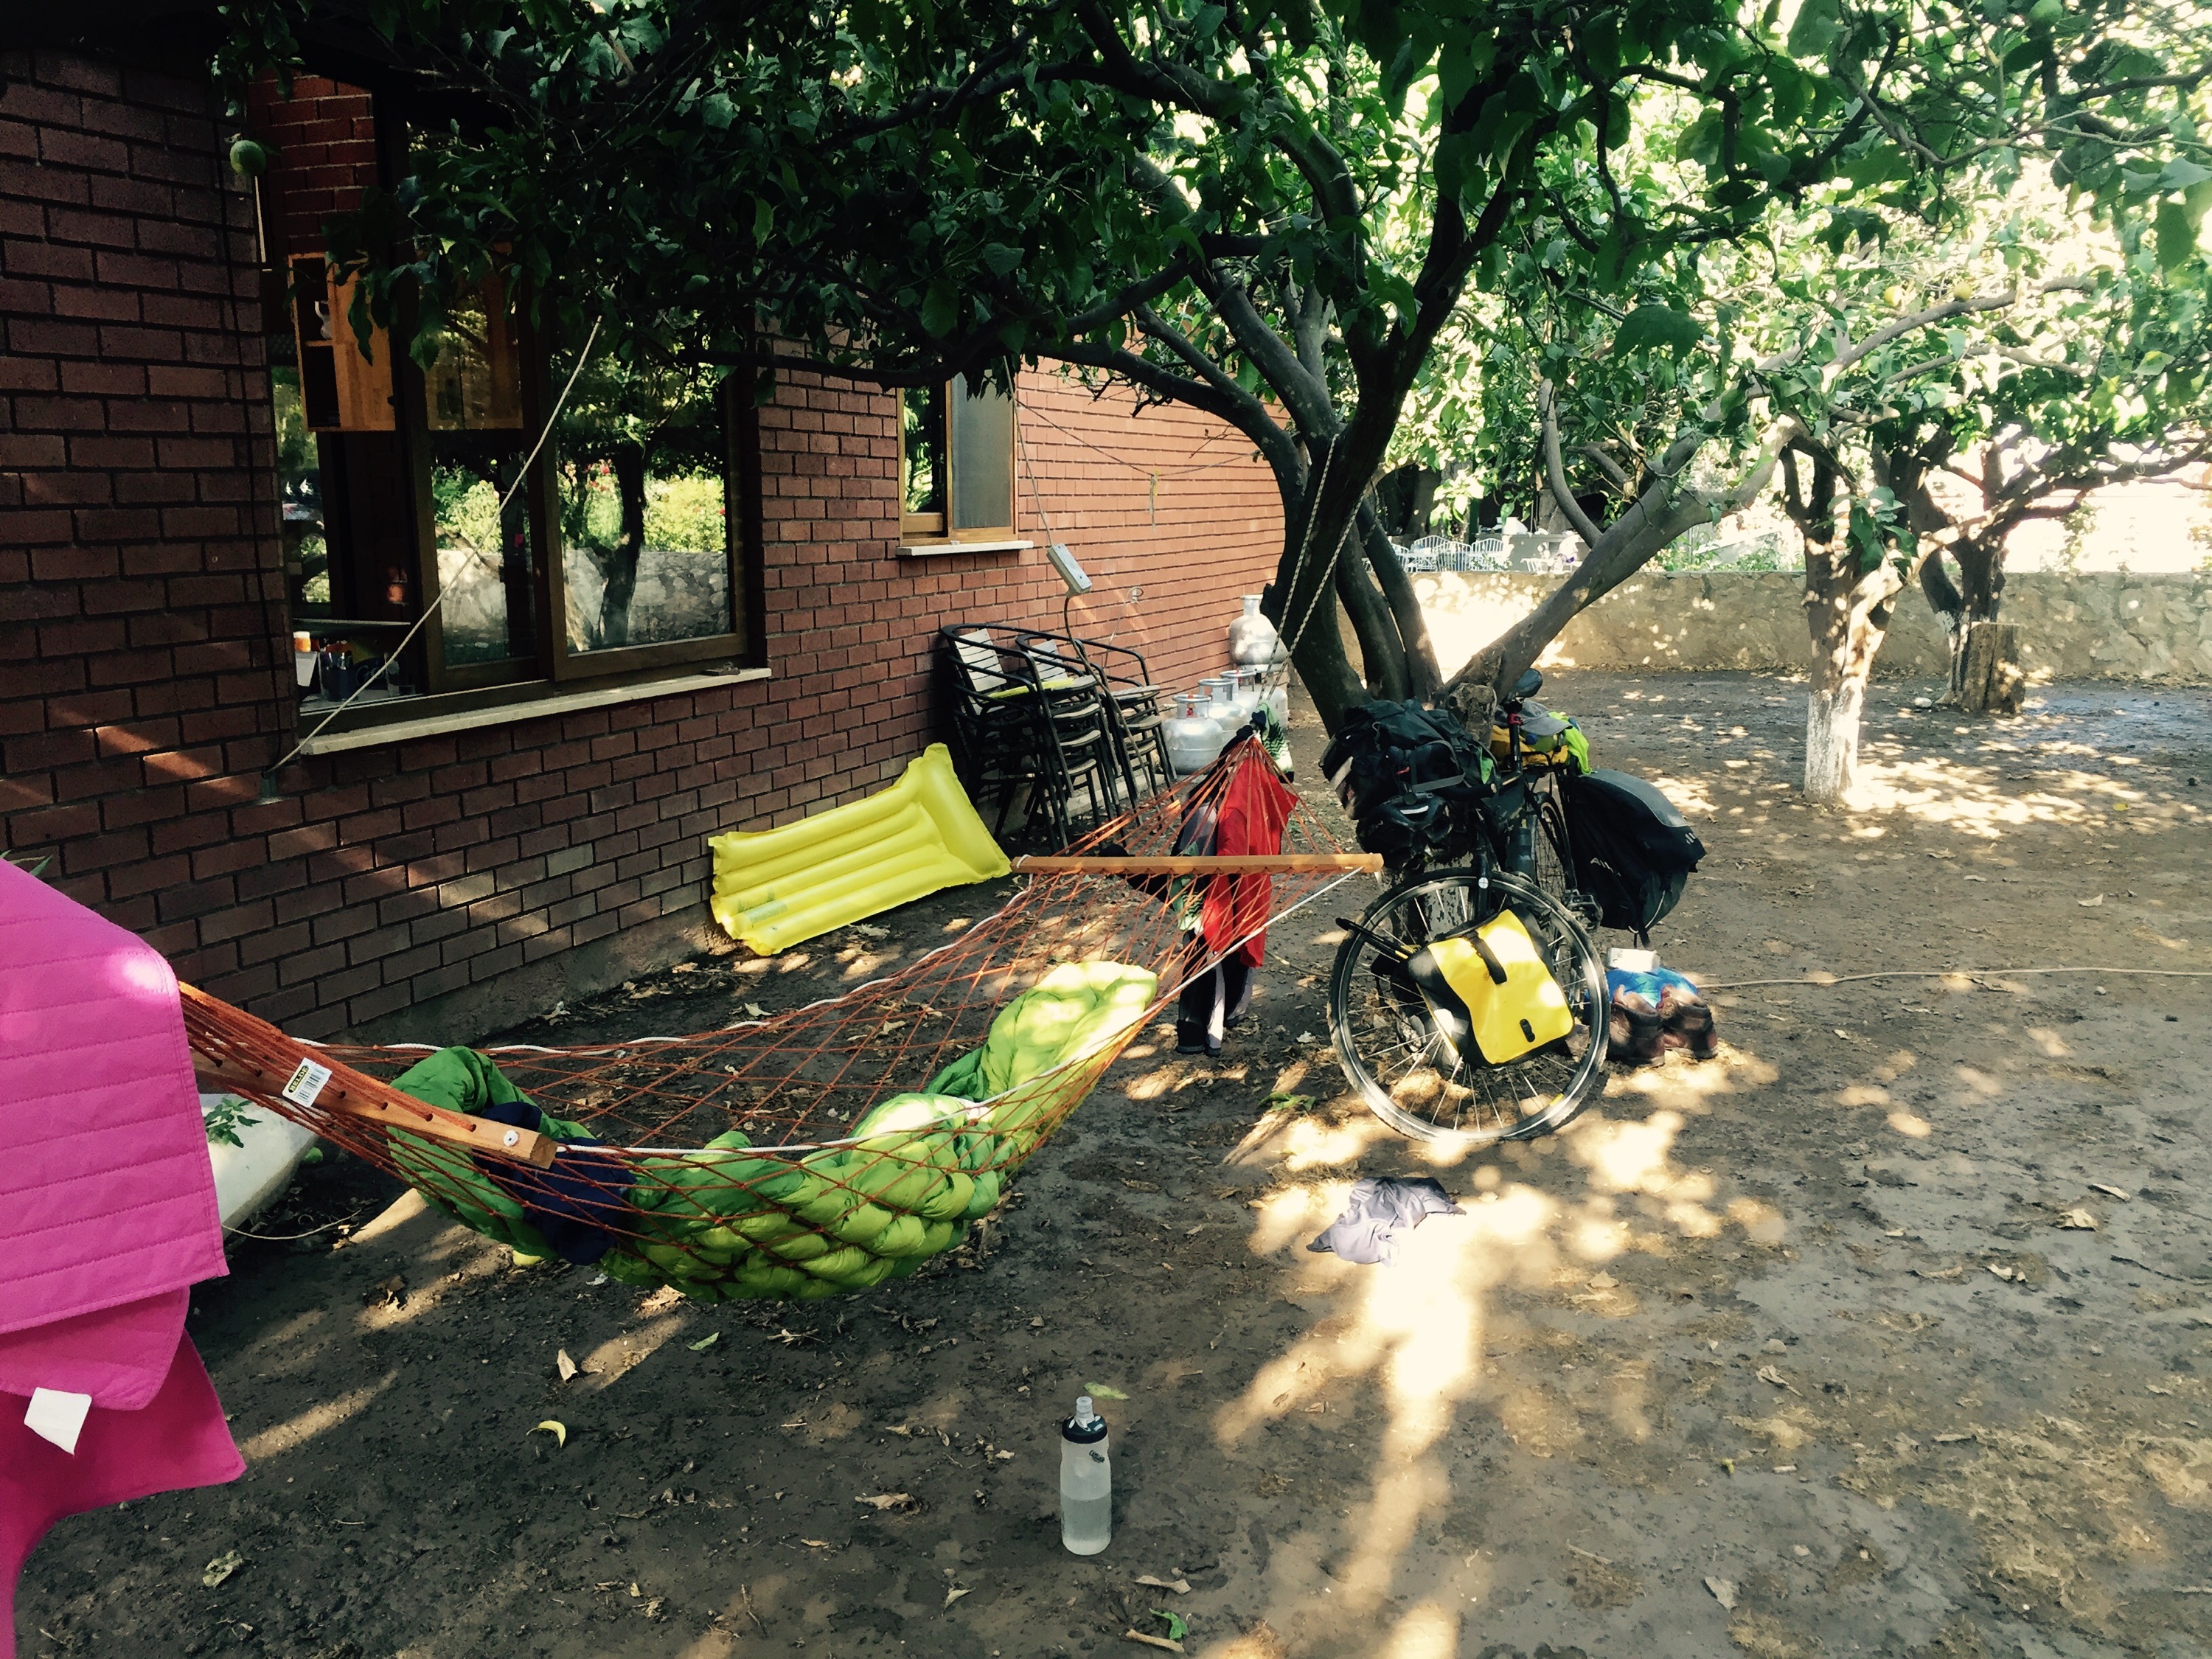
point(1279, 863)
point(227, 1049)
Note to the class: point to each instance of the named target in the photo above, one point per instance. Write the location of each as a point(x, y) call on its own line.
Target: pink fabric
point(106, 1195)
point(119, 1356)
point(178, 1439)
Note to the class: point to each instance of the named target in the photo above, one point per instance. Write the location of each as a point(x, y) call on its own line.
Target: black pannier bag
point(1633, 850)
point(1407, 777)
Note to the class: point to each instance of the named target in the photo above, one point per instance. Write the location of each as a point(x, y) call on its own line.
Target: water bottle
point(1086, 1482)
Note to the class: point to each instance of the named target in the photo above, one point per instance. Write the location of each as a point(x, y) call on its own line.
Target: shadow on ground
point(1886, 1333)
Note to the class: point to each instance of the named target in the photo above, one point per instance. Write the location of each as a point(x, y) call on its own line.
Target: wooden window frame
point(935, 529)
point(552, 669)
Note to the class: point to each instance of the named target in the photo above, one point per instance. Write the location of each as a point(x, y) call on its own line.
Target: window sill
point(563, 702)
point(932, 549)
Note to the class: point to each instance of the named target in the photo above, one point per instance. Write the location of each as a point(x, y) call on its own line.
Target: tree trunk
point(618, 564)
point(1848, 610)
point(1322, 510)
point(1849, 615)
point(1423, 676)
point(1986, 676)
point(1831, 739)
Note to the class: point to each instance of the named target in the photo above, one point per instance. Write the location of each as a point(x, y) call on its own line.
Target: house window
point(957, 463)
point(620, 553)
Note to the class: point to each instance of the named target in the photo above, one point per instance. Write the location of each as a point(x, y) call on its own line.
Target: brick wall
point(437, 886)
point(323, 143)
point(138, 585)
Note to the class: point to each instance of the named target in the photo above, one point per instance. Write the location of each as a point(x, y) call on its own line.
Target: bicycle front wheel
point(1390, 1049)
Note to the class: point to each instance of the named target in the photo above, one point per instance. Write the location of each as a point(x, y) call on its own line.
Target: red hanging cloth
point(1254, 807)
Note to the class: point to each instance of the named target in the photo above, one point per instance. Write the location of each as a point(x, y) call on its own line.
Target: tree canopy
point(1267, 212)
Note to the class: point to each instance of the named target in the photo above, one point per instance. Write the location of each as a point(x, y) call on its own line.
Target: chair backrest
point(983, 667)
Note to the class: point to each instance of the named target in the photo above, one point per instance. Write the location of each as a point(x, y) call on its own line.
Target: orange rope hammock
point(730, 1165)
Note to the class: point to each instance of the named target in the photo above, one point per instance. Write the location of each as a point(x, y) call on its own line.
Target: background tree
point(2097, 385)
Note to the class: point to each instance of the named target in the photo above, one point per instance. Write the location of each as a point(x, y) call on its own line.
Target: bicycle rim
point(1389, 1046)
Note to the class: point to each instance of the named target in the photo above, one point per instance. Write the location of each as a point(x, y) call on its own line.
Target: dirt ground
point(1888, 1332)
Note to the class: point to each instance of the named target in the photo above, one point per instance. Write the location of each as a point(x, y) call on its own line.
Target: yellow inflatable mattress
point(773, 887)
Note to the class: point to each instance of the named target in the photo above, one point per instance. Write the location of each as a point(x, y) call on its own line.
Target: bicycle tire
point(1555, 863)
point(1387, 1046)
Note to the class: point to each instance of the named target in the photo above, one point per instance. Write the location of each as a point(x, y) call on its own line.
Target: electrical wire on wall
point(1128, 596)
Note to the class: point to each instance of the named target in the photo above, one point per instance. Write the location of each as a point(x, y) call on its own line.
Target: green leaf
point(999, 259)
point(2182, 174)
point(764, 220)
point(1817, 25)
point(704, 1342)
point(1177, 1627)
point(2176, 235)
point(1655, 326)
point(940, 308)
point(1458, 166)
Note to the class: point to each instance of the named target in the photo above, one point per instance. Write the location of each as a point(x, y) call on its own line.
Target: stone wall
point(2105, 625)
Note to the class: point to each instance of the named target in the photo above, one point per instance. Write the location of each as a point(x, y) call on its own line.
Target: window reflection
point(644, 506)
point(484, 554)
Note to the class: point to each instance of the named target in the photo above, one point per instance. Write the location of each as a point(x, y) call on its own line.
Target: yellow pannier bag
point(1492, 988)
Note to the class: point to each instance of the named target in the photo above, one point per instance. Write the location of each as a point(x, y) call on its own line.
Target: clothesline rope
point(1958, 973)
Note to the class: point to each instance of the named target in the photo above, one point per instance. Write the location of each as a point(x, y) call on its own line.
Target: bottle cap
point(1086, 1427)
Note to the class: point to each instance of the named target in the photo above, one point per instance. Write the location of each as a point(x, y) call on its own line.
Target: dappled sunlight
point(1289, 1212)
point(612, 1359)
point(1428, 1631)
point(295, 1431)
point(1974, 801)
point(1301, 1143)
point(1412, 1336)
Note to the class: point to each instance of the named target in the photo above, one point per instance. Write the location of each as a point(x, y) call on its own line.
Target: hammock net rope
point(797, 1156)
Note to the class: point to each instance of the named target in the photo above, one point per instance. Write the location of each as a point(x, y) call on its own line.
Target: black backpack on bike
point(1407, 776)
point(1633, 850)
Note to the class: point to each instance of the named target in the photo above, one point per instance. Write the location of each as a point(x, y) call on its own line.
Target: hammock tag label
point(306, 1082)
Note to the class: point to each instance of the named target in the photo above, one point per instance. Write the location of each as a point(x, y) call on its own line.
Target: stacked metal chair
point(1027, 729)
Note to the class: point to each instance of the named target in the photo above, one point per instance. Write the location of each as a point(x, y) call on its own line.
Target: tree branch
point(1555, 472)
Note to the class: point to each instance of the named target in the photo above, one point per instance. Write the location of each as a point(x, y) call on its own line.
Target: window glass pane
point(644, 506)
point(921, 452)
point(982, 458)
point(485, 555)
point(476, 385)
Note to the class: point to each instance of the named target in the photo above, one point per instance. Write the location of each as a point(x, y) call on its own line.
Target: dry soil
point(1888, 1332)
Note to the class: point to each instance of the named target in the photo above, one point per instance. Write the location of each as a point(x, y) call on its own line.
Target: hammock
point(789, 1157)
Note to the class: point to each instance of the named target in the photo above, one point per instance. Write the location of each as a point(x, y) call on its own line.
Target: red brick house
point(526, 819)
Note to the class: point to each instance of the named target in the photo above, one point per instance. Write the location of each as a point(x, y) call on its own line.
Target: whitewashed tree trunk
point(1832, 740)
point(1849, 614)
